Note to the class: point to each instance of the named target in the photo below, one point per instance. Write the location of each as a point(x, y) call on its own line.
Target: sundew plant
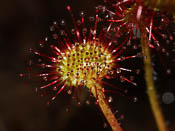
point(98, 49)
point(82, 57)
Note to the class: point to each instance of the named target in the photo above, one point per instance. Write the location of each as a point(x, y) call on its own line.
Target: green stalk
point(103, 104)
point(162, 5)
point(156, 109)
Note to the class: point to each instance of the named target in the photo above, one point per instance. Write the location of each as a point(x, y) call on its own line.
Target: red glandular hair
point(68, 59)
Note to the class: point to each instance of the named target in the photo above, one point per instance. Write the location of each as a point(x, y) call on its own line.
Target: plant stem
point(156, 109)
point(162, 5)
point(98, 93)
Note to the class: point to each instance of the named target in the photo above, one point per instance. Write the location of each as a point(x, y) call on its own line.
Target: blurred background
point(22, 24)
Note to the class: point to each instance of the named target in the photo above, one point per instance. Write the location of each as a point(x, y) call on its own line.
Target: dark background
point(22, 23)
